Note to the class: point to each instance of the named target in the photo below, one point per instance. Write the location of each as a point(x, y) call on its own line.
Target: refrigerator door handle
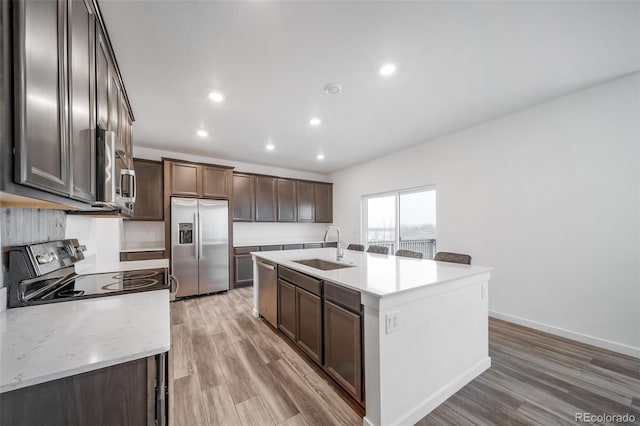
point(199, 237)
point(196, 235)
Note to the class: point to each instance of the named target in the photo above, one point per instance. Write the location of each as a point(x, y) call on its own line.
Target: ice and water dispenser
point(186, 233)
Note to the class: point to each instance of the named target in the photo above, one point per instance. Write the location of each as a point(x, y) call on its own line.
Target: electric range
point(44, 273)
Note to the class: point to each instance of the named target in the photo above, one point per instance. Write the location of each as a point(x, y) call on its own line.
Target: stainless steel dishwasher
point(268, 292)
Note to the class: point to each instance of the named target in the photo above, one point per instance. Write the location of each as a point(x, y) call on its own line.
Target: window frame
point(364, 218)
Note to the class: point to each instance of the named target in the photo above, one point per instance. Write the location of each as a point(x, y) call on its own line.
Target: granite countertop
point(48, 342)
point(376, 274)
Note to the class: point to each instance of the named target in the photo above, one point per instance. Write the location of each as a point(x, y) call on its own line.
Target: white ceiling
point(458, 63)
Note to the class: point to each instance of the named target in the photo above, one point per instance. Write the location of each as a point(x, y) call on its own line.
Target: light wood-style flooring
point(229, 368)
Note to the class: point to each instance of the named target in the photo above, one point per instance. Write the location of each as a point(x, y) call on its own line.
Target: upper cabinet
point(287, 211)
point(65, 83)
point(41, 138)
point(266, 198)
point(306, 202)
point(199, 180)
point(324, 202)
point(271, 199)
point(243, 197)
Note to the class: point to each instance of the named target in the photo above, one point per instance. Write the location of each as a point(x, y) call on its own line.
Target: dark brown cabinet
point(42, 142)
point(266, 199)
point(309, 323)
point(129, 394)
point(300, 310)
point(55, 97)
point(149, 205)
point(199, 180)
point(243, 197)
point(287, 208)
point(82, 113)
point(185, 179)
point(343, 347)
point(305, 195)
point(243, 266)
point(63, 69)
point(215, 182)
point(324, 202)
point(287, 309)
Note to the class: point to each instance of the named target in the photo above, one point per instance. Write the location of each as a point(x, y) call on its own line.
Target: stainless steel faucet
point(339, 251)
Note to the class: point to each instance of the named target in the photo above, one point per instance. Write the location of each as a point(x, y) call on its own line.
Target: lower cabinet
point(287, 309)
point(343, 348)
point(244, 270)
point(325, 321)
point(309, 323)
point(132, 393)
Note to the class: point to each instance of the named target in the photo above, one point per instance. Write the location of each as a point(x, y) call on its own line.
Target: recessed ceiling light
point(315, 121)
point(216, 97)
point(320, 156)
point(332, 89)
point(270, 147)
point(387, 69)
point(202, 133)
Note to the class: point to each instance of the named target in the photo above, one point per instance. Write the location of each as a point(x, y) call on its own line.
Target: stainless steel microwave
point(116, 183)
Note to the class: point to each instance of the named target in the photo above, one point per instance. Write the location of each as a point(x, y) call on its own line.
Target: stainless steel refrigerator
point(200, 245)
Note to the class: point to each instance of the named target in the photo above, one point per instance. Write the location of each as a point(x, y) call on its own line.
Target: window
point(401, 220)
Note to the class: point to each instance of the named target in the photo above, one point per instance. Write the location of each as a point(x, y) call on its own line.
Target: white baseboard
point(568, 334)
point(430, 404)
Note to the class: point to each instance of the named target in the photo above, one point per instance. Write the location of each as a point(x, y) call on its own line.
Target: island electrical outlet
point(392, 320)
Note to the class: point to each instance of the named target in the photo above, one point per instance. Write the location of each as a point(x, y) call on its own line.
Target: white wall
point(549, 196)
point(101, 237)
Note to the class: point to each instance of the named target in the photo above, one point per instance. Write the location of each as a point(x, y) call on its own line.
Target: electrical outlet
point(392, 320)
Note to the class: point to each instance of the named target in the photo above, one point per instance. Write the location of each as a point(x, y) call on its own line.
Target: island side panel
point(256, 285)
point(440, 346)
point(373, 328)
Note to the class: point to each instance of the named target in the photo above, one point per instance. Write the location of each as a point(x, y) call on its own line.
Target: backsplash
point(22, 226)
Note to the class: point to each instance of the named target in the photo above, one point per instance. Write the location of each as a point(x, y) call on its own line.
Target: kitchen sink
point(322, 264)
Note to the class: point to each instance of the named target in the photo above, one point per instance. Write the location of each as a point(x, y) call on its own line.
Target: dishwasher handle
point(266, 265)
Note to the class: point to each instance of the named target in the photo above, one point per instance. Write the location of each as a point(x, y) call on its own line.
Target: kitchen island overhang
point(425, 331)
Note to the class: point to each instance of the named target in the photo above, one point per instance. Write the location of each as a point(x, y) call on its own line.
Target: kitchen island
point(425, 325)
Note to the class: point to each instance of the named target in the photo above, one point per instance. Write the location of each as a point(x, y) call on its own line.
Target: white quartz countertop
point(375, 274)
point(277, 242)
point(128, 247)
point(48, 342)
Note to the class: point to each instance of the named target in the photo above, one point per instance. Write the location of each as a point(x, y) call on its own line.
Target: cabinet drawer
point(126, 256)
point(244, 250)
point(306, 282)
point(270, 248)
point(312, 245)
point(344, 297)
point(293, 246)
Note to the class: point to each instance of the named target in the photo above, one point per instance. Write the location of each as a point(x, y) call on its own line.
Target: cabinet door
point(309, 324)
point(324, 202)
point(42, 140)
point(103, 64)
point(343, 348)
point(244, 270)
point(306, 202)
point(215, 182)
point(243, 198)
point(184, 179)
point(82, 112)
point(287, 209)
point(265, 199)
point(150, 202)
point(287, 309)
